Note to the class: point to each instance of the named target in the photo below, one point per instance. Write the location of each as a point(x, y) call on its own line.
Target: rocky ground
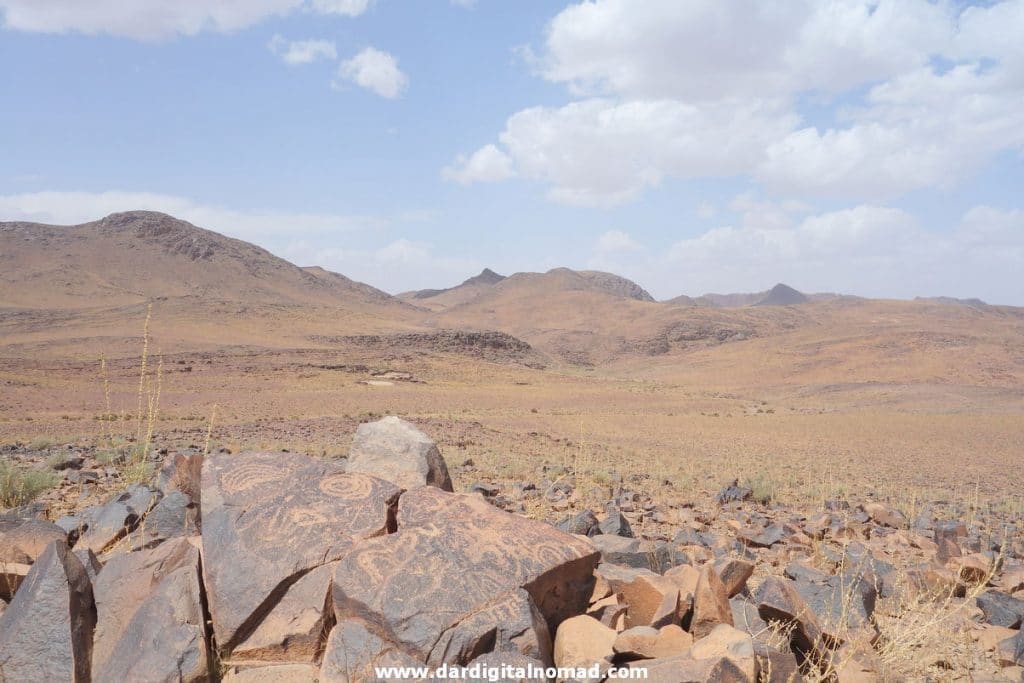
point(286, 567)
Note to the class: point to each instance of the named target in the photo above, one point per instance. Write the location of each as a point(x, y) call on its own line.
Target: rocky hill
point(783, 295)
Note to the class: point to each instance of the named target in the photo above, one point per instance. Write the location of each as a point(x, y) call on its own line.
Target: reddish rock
point(778, 601)
point(734, 573)
point(710, 604)
point(583, 641)
point(651, 599)
point(11, 576)
point(885, 515)
point(46, 632)
point(23, 540)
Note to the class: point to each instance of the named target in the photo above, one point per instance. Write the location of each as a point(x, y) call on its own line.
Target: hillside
point(783, 295)
point(129, 258)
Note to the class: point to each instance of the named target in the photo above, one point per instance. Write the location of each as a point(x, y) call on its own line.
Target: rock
point(583, 641)
point(90, 562)
point(615, 524)
point(150, 623)
point(12, 574)
point(73, 526)
point(294, 628)
point(988, 637)
point(885, 515)
point(46, 632)
point(734, 573)
point(396, 451)
point(352, 653)
point(632, 552)
point(460, 578)
point(972, 569)
point(1012, 579)
point(645, 642)
point(277, 673)
point(778, 601)
point(1001, 609)
point(582, 523)
point(746, 618)
point(843, 605)
point(1010, 652)
point(710, 604)
point(107, 525)
point(484, 489)
point(652, 600)
point(71, 462)
point(175, 515)
point(731, 643)
point(684, 669)
point(270, 518)
point(497, 660)
point(23, 540)
point(183, 473)
point(734, 493)
point(763, 538)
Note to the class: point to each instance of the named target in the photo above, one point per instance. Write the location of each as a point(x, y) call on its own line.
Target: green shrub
point(21, 485)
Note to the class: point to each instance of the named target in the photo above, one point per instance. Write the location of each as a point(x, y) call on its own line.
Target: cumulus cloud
point(375, 70)
point(486, 165)
point(616, 240)
point(295, 52)
point(867, 250)
point(158, 19)
point(909, 94)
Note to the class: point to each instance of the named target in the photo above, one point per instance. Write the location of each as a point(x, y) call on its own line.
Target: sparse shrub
point(58, 460)
point(21, 485)
point(763, 488)
point(42, 443)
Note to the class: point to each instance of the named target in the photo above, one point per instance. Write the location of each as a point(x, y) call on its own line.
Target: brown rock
point(46, 631)
point(972, 569)
point(150, 623)
point(11, 576)
point(734, 573)
point(684, 669)
point(778, 601)
point(710, 604)
point(269, 519)
point(652, 600)
point(182, 472)
point(646, 642)
point(278, 673)
point(353, 651)
point(295, 629)
point(23, 540)
point(396, 451)
point(731, 643)
point(461, 578)
point(885, 515)
point(686, 577)
point(988, 637)
point(1010, 652)
point(583, 641)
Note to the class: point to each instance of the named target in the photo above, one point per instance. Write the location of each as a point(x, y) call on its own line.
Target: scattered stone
point(885, 515)
point(268, 519)
point(734, 493)
point(731, 643)
point(734, 573)
point(710, 604)
point(778, 601)
point(397, 451)
point(652, 600)
point(633, 552)
point(972, 569)
point(645, 642)
point(582, 523)
point(615, 524)
point(1001, 609)
point(484, 489)
point(583, 641)
point(763, 538)
point(12, 574)
point(46, 632)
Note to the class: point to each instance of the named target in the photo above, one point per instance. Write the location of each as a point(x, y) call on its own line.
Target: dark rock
point(73, 462)
point(633, 552)
point(181, 472)
point(484, 489)
point(175, 515)
point(268, 519)
point(763, 538)
point(615, 524)
point(1001, 609)
point(46, 632)
point(778, 601)
point(150, 623)
point(734, 493)
point(582, 523)
point(734, 573)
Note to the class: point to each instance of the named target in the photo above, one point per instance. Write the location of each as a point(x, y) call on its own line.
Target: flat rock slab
point(150, 623)
point(397, 451)
point(461, 578)
point(46, 632)
point(270, 518)
point(23, 540)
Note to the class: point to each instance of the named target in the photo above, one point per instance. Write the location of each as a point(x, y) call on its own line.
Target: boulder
point(108, 524)
point(268, 519)
point(685, 669)
point(23, 540)
point(183, 473)
point(633, 552)
point(175, 515)
point(397, 451)
point(150, 623)
point(843, 605)
point(1010, 652)
point(779, 602)
point(651, 599)
point(582, 523)
point(353, 652)
point(615, 524)
point(885, 515)
point(710, 604)
point(1001, 609)
point(763, 538)
point(731, 643)
point(461, 578)
point(275, 673)
point(645, 642)
point(583, 641)
point(734, 573)
point(46, 632)
point(12, 574)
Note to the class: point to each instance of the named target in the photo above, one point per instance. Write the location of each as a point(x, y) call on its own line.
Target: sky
point(868, 147)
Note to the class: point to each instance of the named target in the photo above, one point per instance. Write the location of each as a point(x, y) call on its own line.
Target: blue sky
point(871, 147)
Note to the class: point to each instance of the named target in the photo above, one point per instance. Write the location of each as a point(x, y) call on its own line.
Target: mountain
point(949, 300)
point(137, 256)
point(443, 298)
point(782, 295)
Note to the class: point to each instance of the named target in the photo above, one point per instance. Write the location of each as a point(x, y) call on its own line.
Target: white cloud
point(908, 94)
point(616, 240)
point(866, 250)
point(375, 70)
point(486, 165)
point(158, 19)
point(69, 208)
point(706, 210)
point(295, 52)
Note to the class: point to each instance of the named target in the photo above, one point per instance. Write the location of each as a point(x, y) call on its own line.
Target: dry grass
point(21, 485)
